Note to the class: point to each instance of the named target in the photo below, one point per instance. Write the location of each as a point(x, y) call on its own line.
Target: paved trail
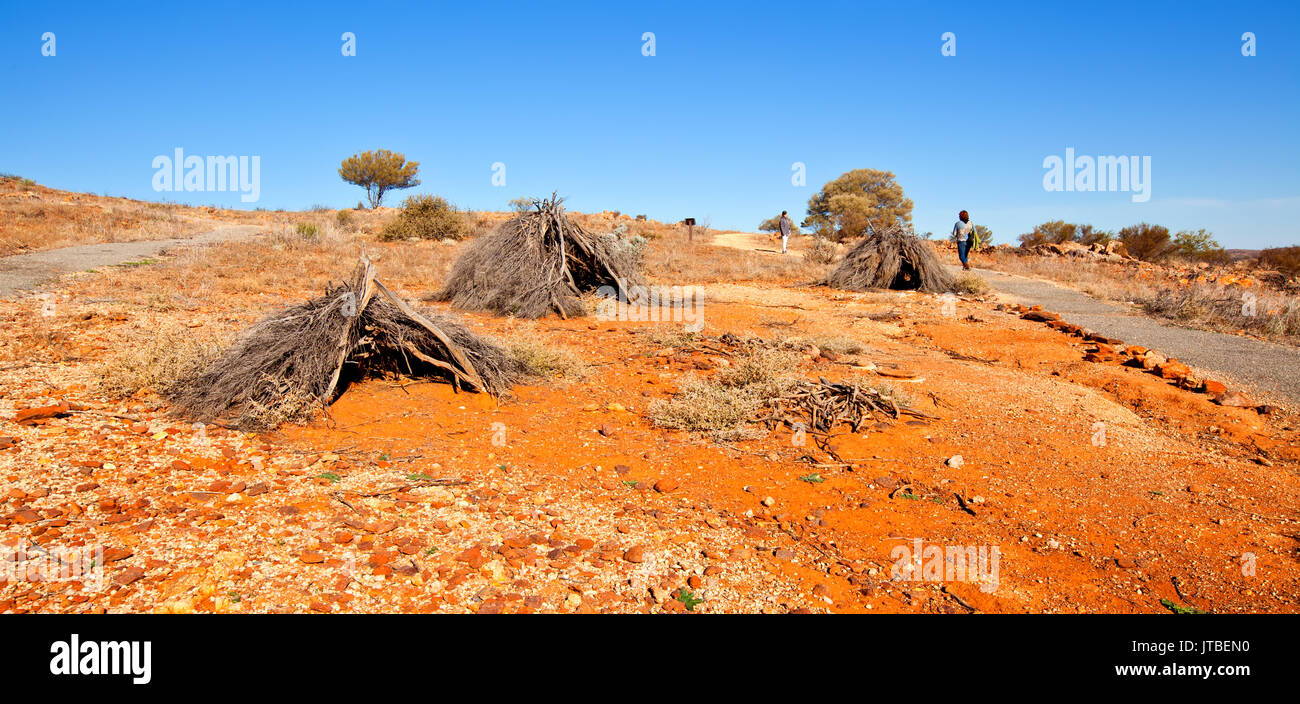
point(1269, 367)
point(27, 271)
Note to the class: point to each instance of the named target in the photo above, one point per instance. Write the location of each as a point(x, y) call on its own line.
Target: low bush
point(427, 217)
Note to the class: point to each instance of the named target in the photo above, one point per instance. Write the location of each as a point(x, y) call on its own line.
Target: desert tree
point(1050, 232)
point(379, 171)
point(1285, 259)
point(858, 202)
point(1199, 245)
point(1147, 242)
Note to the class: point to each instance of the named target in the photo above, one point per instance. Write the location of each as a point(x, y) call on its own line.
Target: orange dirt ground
point(573, 501)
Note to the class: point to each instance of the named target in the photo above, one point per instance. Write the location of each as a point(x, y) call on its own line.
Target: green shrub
point(345, 220)
point(306, 229)
point(427, 218)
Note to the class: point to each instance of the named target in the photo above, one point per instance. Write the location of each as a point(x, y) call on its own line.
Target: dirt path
point(759, 242)
point(1269, 367)
point(27, 271)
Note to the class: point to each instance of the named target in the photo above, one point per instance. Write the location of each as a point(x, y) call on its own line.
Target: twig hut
point(892, 259)
point(536, 263)
point(299, 357)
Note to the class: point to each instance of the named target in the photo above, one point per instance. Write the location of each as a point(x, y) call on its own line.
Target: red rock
point(1040, 316)
point(179, 464)
point(1127, 563)
point(634, 554)
point(30, 416)
point(1174, 369)
point(1234, 399)
point(474, 557)
point(116, 554)
point(664, 486)
point(27, 516)
point(1214, 388)
point(311, 557)
point(129, 575)
point(257, 489)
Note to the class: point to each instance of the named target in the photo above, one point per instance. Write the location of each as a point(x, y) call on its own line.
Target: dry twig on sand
point(822, 405)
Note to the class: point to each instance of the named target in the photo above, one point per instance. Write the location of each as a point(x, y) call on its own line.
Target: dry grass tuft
point(157, 362)
point(545, 360)
point(725, 405)
point(970, 285)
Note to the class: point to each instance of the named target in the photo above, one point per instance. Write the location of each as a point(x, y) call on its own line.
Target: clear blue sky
point(708, 127)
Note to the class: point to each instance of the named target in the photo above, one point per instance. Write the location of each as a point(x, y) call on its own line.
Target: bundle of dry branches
point(536, 263)
point(895, 259)
point(822, 405)
point(293, 361)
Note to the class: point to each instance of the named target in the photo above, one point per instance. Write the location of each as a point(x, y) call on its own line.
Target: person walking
point(964, 233)
point(784, 226)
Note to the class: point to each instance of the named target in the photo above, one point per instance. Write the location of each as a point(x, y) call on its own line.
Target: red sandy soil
point(564, 497)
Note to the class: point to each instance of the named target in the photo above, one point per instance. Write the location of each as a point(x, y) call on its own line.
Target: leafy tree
point(772, 224)
point(378, 172)
point(522, 204)
point(1199, 245)
point(857, 202)
point(1147, 242)
point(1051, 232)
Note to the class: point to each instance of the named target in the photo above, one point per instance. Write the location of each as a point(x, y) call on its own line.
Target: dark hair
point(963, 214)
point(783, 212)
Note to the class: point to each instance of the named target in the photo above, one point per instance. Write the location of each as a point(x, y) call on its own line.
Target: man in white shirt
point(964, 233)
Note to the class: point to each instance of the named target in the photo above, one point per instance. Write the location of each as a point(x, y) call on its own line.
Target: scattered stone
point(665, 485)
point(30, 416)
point(1234, 399)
